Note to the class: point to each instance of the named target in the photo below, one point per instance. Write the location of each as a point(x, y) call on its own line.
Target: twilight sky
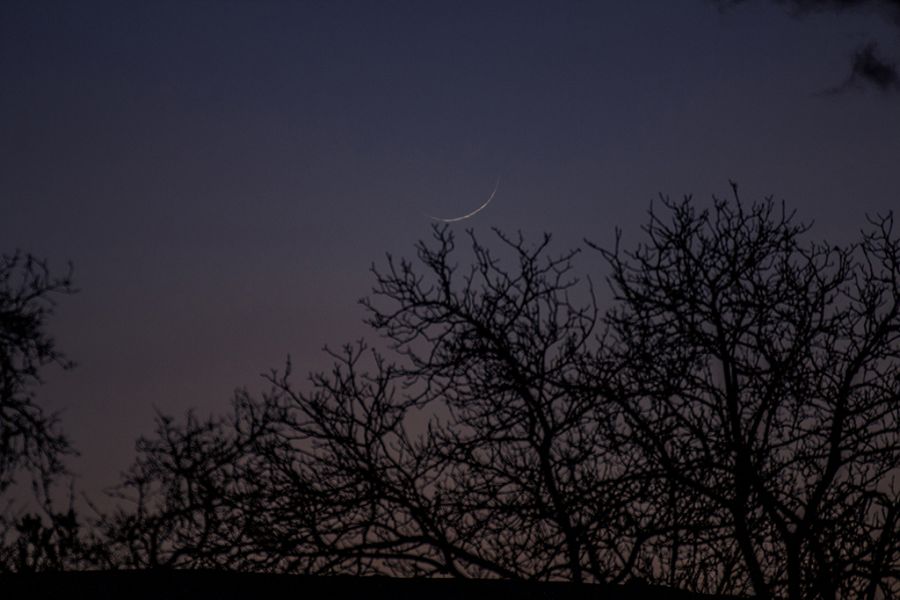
point(222, 174)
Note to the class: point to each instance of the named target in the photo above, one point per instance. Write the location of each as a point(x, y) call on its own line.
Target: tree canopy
point(722, 417)
point(33, 447)
point(30, 439)
point(728, 424)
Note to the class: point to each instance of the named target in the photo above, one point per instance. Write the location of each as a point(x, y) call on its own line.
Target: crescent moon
point(474, 212)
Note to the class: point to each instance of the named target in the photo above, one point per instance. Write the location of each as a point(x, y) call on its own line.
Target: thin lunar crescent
point(474, 212)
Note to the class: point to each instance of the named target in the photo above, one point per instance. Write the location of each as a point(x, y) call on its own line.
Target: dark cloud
point(869, 67)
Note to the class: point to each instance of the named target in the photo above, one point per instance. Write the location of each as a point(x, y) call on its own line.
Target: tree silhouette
point(29, 437)
point(196, 493)
point(762, 373)
point(729, 425)
point(31, 442)
point(483, 450)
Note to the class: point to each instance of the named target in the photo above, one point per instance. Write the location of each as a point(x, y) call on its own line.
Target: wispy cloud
point(869, 68)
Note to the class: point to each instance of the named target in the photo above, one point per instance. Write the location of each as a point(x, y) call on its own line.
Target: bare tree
point(29, 436)
point(762, 372)
point(31, 442)
point(482, 449)
point(189, 498)
point(729, 425)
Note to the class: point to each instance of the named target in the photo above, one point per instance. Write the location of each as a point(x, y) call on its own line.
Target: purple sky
point(222, 174)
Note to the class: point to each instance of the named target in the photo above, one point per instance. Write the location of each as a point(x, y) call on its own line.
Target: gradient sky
point(222, 174)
